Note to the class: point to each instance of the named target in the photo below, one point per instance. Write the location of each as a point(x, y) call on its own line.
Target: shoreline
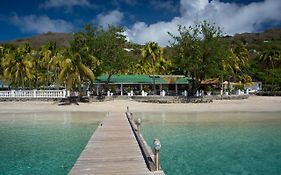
point(252, 104)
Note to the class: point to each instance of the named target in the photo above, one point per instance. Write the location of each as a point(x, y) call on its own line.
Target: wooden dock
point(112, 149)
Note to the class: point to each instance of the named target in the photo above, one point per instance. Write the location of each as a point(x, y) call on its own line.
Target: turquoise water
point(216, 143)
point(43, 143)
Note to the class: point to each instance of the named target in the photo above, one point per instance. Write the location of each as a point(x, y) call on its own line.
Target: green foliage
point(271, 79)
point(203, 53)
point(236, 63)
point(73, 71)
point(271, 57)
point(200, 52)
point(18, 66)
point(47, 63)
point(151, 53)
point(151, 60)
point(92, 52)
point(102, 50)
point(2, 54)
point(84, 43)
point(269, 71)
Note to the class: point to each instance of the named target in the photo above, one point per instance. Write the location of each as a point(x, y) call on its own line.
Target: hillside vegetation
point(200, 52)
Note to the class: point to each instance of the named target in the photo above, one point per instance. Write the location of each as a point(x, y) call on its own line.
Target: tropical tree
point(152, 60)
point(48, 61)
point(164, 66)
point(39, 76)
point(1, 58)
point(84, 43)
point(102, 50)
point(109, 48)
point(234, 63)
point(73, 71)
point(200, 52)
point(271, 58)
point(151, 53)
point(18, 66)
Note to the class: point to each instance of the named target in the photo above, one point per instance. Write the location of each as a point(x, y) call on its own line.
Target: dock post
point(157, 146)
point(138, 125)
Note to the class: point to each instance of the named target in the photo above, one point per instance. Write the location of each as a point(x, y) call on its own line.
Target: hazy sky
point(144, 20)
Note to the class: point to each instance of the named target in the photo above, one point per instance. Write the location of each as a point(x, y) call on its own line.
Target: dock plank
point(112, 149)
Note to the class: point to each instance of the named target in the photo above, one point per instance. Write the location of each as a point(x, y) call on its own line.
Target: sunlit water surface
point(242, 143)
point(44, 143)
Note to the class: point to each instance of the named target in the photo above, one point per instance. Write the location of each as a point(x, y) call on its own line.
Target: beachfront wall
point(33, 94)
point(141, 85)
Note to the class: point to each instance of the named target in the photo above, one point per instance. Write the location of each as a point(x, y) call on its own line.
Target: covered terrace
point(141, 84)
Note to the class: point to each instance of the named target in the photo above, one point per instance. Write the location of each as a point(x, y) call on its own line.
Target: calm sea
point(232, 143)
point(43, 143)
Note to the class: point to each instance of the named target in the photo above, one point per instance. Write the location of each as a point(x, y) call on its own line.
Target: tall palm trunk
point(22, 80)
point(273, 76)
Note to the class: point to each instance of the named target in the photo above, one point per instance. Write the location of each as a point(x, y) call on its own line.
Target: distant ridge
point(268, 35)
point(62, 40)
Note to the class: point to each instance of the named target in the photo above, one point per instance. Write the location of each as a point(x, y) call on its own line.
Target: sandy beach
point(252, 104)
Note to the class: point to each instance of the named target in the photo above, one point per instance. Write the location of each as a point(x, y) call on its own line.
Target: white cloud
point(65, 3)
point(142, 33)
point(41, 24)
point(233, 18)
point(112, 18)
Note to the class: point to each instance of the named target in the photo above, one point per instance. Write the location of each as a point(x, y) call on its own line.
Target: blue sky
point(143, 20)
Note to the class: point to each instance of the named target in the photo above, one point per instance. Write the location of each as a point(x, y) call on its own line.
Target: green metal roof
point(142, 79)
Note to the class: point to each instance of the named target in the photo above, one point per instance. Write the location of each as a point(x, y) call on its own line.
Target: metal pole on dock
point(157, 147)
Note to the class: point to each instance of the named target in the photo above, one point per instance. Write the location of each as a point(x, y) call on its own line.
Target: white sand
point(253, 103)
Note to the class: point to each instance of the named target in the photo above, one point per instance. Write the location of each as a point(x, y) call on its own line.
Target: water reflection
point(210, 117)
point(63, 118)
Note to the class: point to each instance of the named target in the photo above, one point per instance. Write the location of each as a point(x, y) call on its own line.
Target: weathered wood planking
point(112, 149)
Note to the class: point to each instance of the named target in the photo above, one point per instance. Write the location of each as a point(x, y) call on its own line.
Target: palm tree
point(151, 54)
point(55, 65)
point(36, 69)
point(18, 65)
point(73, 71)
point(271, 57)
point(48, 56)
point(141, 68)
point(235, 60)
point(163, 66)
point(1, 58)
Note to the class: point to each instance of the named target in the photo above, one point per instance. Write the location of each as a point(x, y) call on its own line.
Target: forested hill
point(256, 42)
point(268, 35)
point(252, 40)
